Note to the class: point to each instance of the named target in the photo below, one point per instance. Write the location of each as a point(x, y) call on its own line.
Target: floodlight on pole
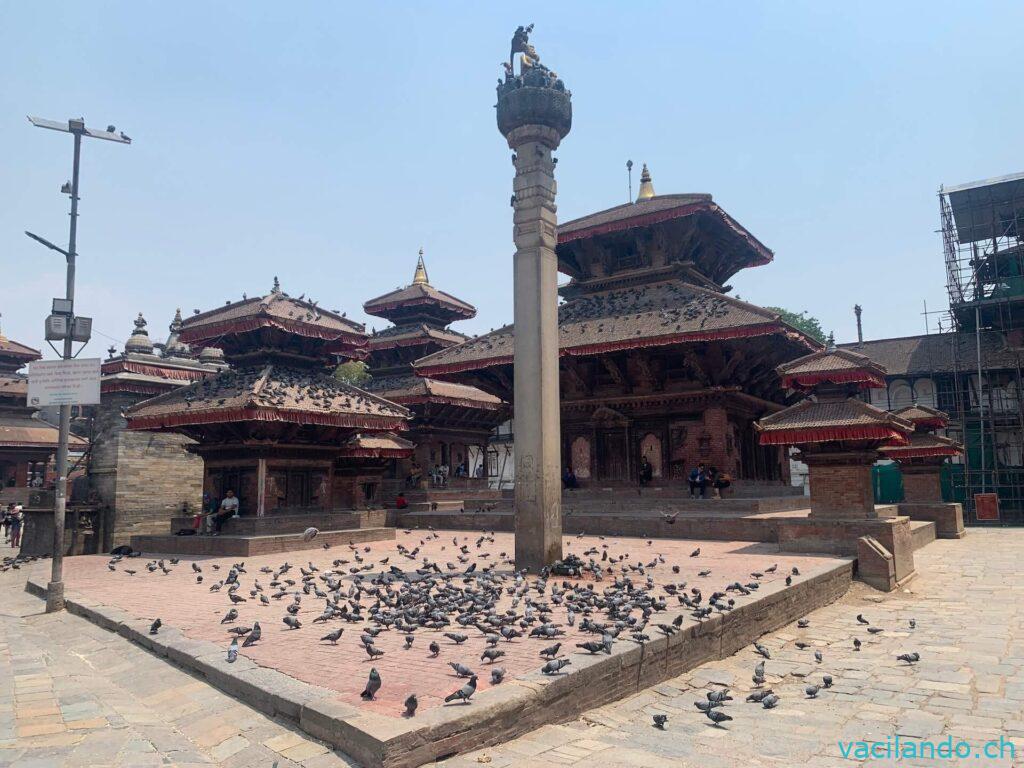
point(77, 128)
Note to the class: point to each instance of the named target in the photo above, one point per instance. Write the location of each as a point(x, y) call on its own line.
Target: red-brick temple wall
point(922, 483)
point(843, 491)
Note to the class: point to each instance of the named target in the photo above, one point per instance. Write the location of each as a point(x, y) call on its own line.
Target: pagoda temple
point(451, 422)
point(839, 435)
point(140, 480)
point(656, 360)
point(278, 428)
point(921, 459)
point(27, 443)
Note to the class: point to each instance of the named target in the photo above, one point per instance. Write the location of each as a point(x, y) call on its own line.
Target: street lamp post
point(77, 128)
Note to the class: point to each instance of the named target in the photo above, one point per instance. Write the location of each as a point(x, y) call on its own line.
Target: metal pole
point(55, 589)
point(981, 388)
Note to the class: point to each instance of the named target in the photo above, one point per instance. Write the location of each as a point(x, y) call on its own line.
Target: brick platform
point(292, 674)
point(250, 546)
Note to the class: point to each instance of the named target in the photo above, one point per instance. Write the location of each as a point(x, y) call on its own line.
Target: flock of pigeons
point(477, 595)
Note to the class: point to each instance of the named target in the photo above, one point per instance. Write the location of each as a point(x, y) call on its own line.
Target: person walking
point(5, 520)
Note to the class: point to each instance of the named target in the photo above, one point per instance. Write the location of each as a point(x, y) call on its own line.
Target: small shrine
point(922, 458)
point(839, 436)
point(278, 428)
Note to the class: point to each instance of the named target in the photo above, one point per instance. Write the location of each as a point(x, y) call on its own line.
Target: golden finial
point(646, 187)
point(420, 278)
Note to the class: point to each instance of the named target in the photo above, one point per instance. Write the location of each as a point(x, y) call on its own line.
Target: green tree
point(802, 322)
point(354, 372)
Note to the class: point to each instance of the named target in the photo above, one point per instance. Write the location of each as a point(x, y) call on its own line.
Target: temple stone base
point(894, 534)
point(948, 517)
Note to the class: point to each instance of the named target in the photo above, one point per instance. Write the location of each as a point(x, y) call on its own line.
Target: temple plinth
point(534, 114)
point(839, 436)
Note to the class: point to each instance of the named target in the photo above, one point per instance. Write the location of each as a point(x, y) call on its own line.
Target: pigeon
point(230, 616)
point(461, 670)
point(372, 685)
point(695, 552)
point(409, 641)
point(155, 627)
point(239, 631)
point(292, 622)
point(856, 643)
point(717, 716)
point(464, 694)
point(803, 623)
point(759, 669)
point(770, 702)
point(410, 705)
point(705, 706)
point(310, 533)
point(254, 636)
point(817, 656)
point(910, 658)
point(456, 637)
point(491, 654)
point(373, 651)
point(913, 623)
point(796, 571)
point(233, 651)
point(593, 647)
point(762, 650)
point(812, 691)
point(551, 651)
point(759, 696)
point(236, 598)
point(719, 696)
point(875, 630)
point(497, 675)
point(334, 636)
point(554, 666)
point(659, 721)
point(826, 681)
point(861, 619)
point(801, 645)
point(434, 648)
point(789, 582)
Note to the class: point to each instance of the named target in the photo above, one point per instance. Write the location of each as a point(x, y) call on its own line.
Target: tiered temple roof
point(924, 443)
point(282, 386)
point(832, 414)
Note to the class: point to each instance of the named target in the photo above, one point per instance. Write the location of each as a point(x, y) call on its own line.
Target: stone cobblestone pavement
point(968, 603)
point(343, 667)
point(73, 694)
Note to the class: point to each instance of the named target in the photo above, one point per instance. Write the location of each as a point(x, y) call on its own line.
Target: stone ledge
point(496, 714)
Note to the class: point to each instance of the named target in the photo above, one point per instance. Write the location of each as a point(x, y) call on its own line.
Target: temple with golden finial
point(451, 422)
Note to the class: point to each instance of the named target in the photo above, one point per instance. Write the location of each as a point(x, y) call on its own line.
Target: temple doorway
point(611, 455)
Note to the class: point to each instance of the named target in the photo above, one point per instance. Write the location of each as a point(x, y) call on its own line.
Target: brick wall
point(144, 477)
point(841, 491)
point(922, 484)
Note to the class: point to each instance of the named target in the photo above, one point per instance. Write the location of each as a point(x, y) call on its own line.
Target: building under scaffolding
point(972, 370)
point(982, 224)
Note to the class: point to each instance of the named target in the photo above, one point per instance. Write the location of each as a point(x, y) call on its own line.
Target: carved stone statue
point(521, 44)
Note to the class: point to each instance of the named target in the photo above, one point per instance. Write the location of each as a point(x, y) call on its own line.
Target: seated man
point(698, 479)
point(228, 509)
point(569, 479)
point(400, 502)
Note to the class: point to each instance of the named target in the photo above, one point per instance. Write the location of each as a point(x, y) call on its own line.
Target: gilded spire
point(420, 278)
point(646, 187)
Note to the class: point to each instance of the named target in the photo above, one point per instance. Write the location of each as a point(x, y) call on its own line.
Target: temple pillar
point(841, 487)
point(261, 487)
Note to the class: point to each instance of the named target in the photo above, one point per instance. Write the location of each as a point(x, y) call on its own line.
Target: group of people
point(219, 513)
point(13, 520)
point(700, 478)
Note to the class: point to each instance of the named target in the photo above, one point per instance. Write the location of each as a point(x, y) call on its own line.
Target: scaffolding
point(982, 226)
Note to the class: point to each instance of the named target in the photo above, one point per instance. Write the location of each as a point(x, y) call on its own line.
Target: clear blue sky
point(326, 142)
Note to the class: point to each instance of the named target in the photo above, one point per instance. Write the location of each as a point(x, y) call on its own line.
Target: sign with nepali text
point(64, 382)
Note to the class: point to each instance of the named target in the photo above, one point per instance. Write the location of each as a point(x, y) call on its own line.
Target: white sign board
point(64, 382)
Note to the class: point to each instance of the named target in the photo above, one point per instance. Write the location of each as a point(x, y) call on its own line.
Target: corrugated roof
point(23, 431)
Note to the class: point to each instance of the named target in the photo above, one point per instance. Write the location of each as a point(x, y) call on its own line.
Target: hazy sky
point(327, 142)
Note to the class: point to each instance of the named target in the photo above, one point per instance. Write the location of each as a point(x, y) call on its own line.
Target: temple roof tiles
point(400, 335)
point(924, 445)
point(269, 393)
point(418, 294)
point(833, 366)
point(924, 417)
point(669, 312)
point(412, 389)
point(937, 353)
point(25, 431)
point(812, 421)
point(383, 445)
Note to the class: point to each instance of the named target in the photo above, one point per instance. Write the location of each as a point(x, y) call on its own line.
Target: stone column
point(534, 113)
point(538, 491)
